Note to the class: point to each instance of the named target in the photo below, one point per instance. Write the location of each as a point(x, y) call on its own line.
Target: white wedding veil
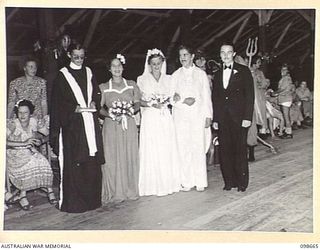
point(151, 52)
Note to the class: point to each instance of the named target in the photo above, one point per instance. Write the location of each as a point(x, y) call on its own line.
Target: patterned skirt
point(28, 169)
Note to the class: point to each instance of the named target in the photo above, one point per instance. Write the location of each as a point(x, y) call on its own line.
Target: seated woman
point(27, 169)
point(305, 97)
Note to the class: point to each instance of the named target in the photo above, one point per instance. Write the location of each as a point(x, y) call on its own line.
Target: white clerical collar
point(75, 66)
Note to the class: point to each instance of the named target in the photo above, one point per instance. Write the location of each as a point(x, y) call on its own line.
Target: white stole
point(86, 116)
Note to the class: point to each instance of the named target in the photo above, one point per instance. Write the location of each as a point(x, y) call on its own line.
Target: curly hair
point(22, 103)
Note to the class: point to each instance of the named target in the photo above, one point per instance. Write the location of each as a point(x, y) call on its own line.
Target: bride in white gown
point(159, 164)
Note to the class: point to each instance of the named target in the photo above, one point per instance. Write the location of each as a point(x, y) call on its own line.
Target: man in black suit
point(233, 100)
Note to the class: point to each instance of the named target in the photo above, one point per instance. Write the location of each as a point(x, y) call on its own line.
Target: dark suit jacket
point(237, 100)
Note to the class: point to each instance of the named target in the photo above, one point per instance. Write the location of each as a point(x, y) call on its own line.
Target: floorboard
point(278, 199)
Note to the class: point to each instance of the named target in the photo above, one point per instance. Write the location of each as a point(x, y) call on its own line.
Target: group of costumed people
point(109, 165)
point(116, 163)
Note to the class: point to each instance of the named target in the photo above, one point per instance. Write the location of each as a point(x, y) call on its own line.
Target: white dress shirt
point(226, 75)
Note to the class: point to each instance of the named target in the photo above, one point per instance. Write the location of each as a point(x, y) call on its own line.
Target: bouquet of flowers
point(121, 109)
point(157, 99)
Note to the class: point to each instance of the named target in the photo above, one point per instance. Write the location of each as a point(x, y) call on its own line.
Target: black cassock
point(81, 180)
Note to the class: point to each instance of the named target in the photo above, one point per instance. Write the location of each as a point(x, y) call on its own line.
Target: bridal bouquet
point(158, 99)
point(121, 109)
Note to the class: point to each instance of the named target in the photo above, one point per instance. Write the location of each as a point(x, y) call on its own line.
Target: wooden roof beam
point(305, 15)
point(201, 22)
point(310, 18)
point(131, 31)
point(285, 31)
point(293, 44)
point(173, 41)
point(92, 28)
point(145, 13)
point(213, 30)
point(304, 56)
point(264, 16)
point(239, 32)
point(12, 14)
point(106, 33)
point(70, 20)
point(225, 30)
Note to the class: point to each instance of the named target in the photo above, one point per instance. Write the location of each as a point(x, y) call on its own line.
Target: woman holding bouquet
point(119, 101)
point(159, 165)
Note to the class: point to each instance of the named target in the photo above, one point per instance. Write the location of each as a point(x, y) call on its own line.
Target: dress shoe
point(241, 189)
point(227, 188)
point(286, 136)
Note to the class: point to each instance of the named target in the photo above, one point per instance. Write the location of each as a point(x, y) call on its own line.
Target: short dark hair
point(255, 59)
point(199, 54)
point(22, 103)
point(228, 43)
point(26, 59)
point(189, 48)
point(76, 46)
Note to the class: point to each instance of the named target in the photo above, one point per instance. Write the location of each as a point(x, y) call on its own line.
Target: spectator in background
point(305, 97)
point(285, 99)
point(30, 87)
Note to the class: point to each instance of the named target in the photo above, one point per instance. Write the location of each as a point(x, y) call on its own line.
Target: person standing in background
point(29, 87)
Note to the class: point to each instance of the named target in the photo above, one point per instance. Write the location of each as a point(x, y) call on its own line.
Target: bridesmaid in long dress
point(159, 165)
point(120, 172)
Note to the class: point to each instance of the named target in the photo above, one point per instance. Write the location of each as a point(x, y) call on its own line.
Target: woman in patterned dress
point(29, 87)
point(27, 169)
point(120, 173)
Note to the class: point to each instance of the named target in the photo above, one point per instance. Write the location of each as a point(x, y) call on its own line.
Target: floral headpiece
point(18, 102)
point(154, 52)
point(121, 58)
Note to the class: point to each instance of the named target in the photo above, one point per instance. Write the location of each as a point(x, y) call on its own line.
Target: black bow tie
point(227, 67)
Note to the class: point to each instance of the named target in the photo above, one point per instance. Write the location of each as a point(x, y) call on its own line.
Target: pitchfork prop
point(252, 49)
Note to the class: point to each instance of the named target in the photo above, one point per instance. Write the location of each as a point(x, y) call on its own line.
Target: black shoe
point(227, 188)
point(241, 189)
point(286, 136)
point(303, 126)
point(263, 136)
point(295, 126)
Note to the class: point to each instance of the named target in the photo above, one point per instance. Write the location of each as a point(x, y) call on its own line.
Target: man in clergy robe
point(192, 115)
point(233, 101)
point(75, 135)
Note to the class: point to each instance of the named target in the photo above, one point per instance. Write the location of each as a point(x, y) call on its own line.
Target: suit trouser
point(233, 153)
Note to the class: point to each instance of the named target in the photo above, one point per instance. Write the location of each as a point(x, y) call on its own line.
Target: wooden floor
point(278, 199)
